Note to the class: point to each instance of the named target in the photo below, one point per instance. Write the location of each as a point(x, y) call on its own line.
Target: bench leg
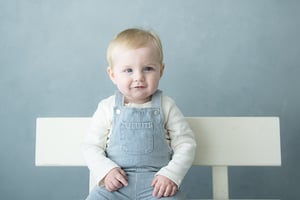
point(220, 182)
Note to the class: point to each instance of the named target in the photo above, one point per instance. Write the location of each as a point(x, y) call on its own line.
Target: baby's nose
point(138, 76)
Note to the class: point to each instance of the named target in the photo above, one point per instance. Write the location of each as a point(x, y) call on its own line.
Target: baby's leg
point(178, 196)
point(100, 193)
point(148, 196)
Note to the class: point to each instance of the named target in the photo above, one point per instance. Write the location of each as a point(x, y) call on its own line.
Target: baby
point(139, 145)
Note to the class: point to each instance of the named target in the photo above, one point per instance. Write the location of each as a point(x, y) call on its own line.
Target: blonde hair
point(132, 39)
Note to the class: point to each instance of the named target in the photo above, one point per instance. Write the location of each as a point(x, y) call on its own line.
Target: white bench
point(222, 142)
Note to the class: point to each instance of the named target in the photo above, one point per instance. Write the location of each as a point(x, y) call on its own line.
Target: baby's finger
point(174, 190)
point(154, 182)
point(122, 179)
point(156, 191)
point(123, 172)
point(168, 191)
point(111, 187)
point(160, 193)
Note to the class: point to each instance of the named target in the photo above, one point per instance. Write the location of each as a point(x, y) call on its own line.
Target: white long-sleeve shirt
point(178, 133)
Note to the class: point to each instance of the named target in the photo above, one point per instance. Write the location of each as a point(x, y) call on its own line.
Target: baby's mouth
point(139, 87)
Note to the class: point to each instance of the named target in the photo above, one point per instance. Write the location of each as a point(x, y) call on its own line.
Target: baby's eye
point(128, 70)
point(148, 69)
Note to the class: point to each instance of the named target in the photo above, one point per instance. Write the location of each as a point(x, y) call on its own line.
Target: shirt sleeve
point(94, 145)
point(182, 141)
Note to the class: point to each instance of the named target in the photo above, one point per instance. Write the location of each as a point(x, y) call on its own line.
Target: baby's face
point(136, 72)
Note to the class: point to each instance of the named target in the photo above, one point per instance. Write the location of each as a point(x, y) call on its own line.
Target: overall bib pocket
point(137, 138)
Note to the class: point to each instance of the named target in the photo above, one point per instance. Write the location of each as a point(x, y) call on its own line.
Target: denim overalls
point(138, 145)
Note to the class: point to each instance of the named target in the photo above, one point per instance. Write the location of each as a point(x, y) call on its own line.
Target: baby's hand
point(163, 187)
point(115, 179)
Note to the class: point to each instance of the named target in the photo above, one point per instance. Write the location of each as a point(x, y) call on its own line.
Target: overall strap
point(156, 99)
point(119, 99)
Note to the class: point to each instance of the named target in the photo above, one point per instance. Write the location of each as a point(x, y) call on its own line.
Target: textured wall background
point(223, 58)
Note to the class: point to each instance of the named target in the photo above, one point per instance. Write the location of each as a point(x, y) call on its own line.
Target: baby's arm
point(94, 145)
point(163, 187)
point(182, 142)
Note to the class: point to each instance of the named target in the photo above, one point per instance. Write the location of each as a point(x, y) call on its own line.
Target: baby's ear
point(111, 74)
point(162, 67)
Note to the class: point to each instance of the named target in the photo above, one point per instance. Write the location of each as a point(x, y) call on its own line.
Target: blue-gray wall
point(223, 58)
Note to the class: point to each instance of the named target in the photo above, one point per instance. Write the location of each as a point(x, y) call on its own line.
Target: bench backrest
point(222, 142)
